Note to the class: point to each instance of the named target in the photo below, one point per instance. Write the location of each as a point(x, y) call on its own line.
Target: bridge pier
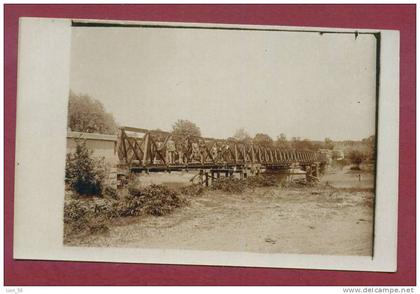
point(316, 174)
point(201, 176)
point(206, 179)
point(312, 173)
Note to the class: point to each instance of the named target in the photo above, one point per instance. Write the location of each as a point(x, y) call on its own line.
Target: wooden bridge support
point(316, 171)
point(312, 173)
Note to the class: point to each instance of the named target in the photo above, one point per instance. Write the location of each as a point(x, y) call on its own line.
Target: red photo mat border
point(393, 17)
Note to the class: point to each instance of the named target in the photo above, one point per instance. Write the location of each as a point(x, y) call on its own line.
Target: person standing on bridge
point(195, 154)
point(214, 152)
point(203, 150)
point(186, 150)
point(225, 153)
point(182, 148)
point(156, 160)
point(170, 151)
point(180, 152)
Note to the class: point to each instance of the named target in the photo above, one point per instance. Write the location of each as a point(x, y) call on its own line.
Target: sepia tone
point(226, 140)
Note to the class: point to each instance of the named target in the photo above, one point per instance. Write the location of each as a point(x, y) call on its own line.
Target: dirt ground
point(330, 218)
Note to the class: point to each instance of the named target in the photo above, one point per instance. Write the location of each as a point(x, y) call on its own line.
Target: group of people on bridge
point(191, 152)
point(162, 148)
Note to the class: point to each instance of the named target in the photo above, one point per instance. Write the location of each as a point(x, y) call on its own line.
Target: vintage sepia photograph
point(219, 138)
point(207, 144)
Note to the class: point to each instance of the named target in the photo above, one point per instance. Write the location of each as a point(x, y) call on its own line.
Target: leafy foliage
point(92, 216)
point(185, 128)
point(370, 142)
point(229, 185)
point(242, 135)
point(262, 181)
point(328, 144)
point(263, 140)
point(82, 217)
point(84, 174)
point(111, 192)
point(304, 144)
point(75, 218)
point(154, 200)
point(282, 142)
point(88, 115)
point(356, 157)
point(236, 186)
point(193, 190)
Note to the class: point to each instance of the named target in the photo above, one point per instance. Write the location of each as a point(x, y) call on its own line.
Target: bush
point(356, 157)
point(91, 216)
point(84, 174)
point(75, 217)
point(229, 185)
point(74, 211)
point(154, 200)
point(232, 185)
point(262, 181)
point(81, 217)
point(111, 192)
point(193, 190)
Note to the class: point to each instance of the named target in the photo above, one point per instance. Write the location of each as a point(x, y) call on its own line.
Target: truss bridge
point(142, 150)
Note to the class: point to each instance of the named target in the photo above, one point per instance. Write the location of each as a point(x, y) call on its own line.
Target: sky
point(302, 84)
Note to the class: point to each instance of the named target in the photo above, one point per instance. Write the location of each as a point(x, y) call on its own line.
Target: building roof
point(91, 136)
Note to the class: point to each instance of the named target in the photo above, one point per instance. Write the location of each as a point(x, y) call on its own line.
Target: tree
point(263, 140)
point(370, 142)
point(356, 157)
point(242, 135)
point(185, 128)
point(328, 144)
point(282, 142)
point(88, 115)
point(305, 144)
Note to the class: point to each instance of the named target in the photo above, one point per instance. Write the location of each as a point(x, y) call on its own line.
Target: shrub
point(111, 192)
point(84, 174)
point(262, 181)
point(155, 200)
point(356, 157)
point(91, 216)
point(75, 218)
point(229, 185)
point(84, 217)
point(193, 190)
point(232, 185)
